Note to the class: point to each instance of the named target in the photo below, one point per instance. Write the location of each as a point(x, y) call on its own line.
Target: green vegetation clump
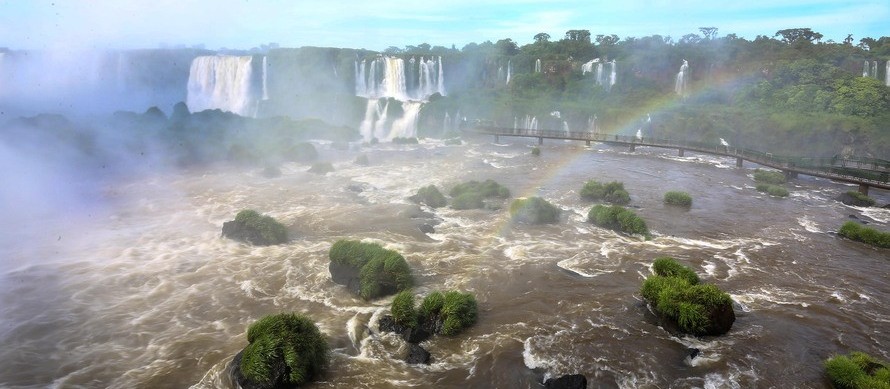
point(612, 192)
point(858, 370)
point(362, 160)
point(380, 271)
point(430, 196)
point(769, 177)
point(321, 168)
point(772, 190)
point(287, 339)
point(446, 313)
point(855, 231)
point(302, 152)
point(405, 141)
point(536, 151)
point(675, 293)
point(682, 199)
point(534, 210)
point(470, 195)
point(857, 199)
point(618, 218)
point(270, 231)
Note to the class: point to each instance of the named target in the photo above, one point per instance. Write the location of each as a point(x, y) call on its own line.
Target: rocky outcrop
point(278, 372)
point(855, 199)
point(417, 355)
point(411, 335)
point(345, 275)
point(571, 381)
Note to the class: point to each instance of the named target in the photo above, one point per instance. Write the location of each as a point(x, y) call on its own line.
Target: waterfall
point(441, 77)
point(886, 72)
point(591, 123)
point(639, 134)
point(874, 69)
point(565, 127)
point(681, 83)
point(538, 65)
point(587, 67)
point(265, 85)
point(380, 123)
point(599, 72)
point(221, 82)
point(367, 126)
point(865, 69)
point(509, 70)
point(613, 74)
point(406, 126)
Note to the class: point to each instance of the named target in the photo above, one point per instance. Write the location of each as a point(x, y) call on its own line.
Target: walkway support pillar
point(632, 147)
point(789, 174)
point(588, 142)
point(540, 141)
point(863, 189)
point(681, 152)
point(738, 162)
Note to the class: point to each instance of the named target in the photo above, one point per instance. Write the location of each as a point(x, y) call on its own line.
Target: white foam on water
point(809, 225)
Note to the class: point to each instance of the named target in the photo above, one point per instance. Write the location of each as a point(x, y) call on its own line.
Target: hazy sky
point(240, 24)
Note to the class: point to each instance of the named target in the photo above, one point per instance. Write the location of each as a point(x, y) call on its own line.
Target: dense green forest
point(790, 93)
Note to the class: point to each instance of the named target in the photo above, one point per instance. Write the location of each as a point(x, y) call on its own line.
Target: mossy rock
point(536, 151)
point(284, 351)
point(618, 218)
point(321, 168)
point(301, 152)
point(430, 196)
point(471, 194)
point(677, 297)
point(405, 141)
point(855, 231)
point(858, 370)
point(534, 210)
point(769, 177)
point(856, 199)
point(362, 160)
point(468, 200)
point(446, 313)
point(251, 227)
point(772, 190)
point(680, 199)
point(368, 269)
point(612, 192)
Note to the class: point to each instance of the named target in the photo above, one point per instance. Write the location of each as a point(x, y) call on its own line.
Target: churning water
point(139, 290)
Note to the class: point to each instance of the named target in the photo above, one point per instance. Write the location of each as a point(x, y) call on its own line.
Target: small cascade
point(591, 123)
point(587, 67)
point(874, 69)
point(530, 123)
point(366, 128)
point(724, 143)
point(265, 84)
point(222, 82)
point(639, 134)
point(380, 124)
point(613, 74)
point(441, 77)
point(509, 71)
point(565, 127)
point(886, 72)
point(865, 69)
point(406, 126)
point(682, 79)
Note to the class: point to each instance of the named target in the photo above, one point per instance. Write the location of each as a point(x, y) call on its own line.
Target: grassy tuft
point(289, 338)
point(618, 218)
point(682, 199)
point(858, 370)
point(612, 192)
point(430, 196)
point(669, 267)
point(402, 309)
point(769, 177)
point(675, 292)
point(380, 270)
point(855, 231)
point(269, 229)
point(772, 190)
point(534, 210)
point(536, 151)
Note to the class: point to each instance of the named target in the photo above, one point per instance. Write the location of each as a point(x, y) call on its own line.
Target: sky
point(376, 25)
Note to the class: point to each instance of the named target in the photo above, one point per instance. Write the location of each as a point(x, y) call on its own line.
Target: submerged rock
point(410, 335)
point(253, 228)
point(571, 381)
point(417, 355)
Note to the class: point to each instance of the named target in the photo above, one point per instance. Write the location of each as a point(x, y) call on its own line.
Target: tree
point(607, 40)
point(709, 32)
point(690, 39)
point(792, 35)
point(542, 37)
point(507, 47)
point(848, 41)
point(392, 50)
point(578, 35)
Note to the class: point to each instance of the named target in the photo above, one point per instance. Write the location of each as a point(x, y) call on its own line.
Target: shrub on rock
point(682, 199)
point(251, 227)
point(446, 313)
point(430, 196)
point(534, 210)
point(857, 199)
point(855, 231)
point(284, 350)
point(618, 218)
point(368, 269)
point(486, 189)
point(769, 177)
point(402, 309)
point(677, 296)
point(858, 370)
point(536, 151)
point(321, 168)
point(302, 152)
point(362, 160)
point(612, 192)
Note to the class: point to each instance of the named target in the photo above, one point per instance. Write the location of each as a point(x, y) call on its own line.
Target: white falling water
point(682, 79)
point(538, 65)
point(441, 78)
point(613, 74)
point(639, 134)
point(406, 126)
point(366, 128)
point(874, 69)
point(724, 143)
point(591, 123)
point(886, 72)
point(509, 71)
point(265, 85)
point(221, 82)
point(865, 69)
point(380, 124)
point(565, 127)
point(587, 67)
point(530, 123)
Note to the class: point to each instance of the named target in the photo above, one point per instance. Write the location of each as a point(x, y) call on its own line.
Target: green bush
point(302, 152)
point(321, 168)
point(431, 305)
point(270, 230)
point(430, 196)
point(618, 218)
point(858, 199)
point(855, 231)
point(379, 270)
point(459, 311)
point(469, 200)
point(769, 177)
point(858, 370)
point(536, 151)
point(534, 210)
point(402, 309)
point(669, 267)
point(486, 189)
point(612, 192)
point(675, 292)
point(288, 338)
point(682, 199)
point(772, 190)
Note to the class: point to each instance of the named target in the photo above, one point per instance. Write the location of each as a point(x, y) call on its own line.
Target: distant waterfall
point(265, 86)
point(886, 71)
point(865, 69)
point(591, 123)
point(613, 74)
point(597, 67)
point(587, 67)
point(390, 77)
point(221, 82)
point(538, 65)
point(509, 71)
point(682, 79)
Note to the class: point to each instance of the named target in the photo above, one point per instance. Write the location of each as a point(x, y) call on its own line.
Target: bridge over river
point(866, 172)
